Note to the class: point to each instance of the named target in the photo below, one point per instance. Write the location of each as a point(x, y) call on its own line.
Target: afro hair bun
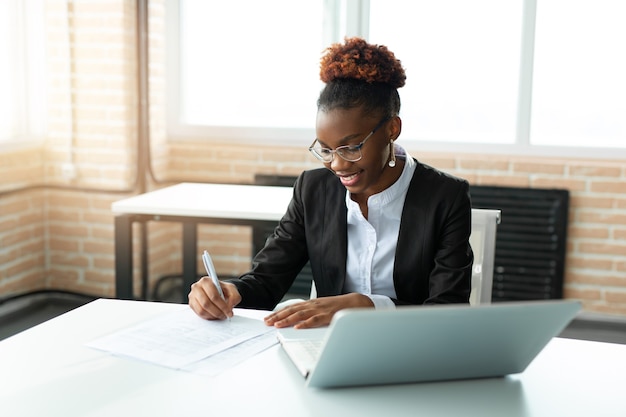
point(359, 60)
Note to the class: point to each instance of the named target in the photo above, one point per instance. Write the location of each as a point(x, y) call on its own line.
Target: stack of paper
point(182, 340)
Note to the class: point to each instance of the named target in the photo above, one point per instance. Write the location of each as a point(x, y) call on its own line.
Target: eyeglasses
point(350, 153)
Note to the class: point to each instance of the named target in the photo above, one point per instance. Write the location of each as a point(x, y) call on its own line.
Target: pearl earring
point(392, 161)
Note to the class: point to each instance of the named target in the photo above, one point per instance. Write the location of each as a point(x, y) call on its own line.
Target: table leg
point(123, 257)
point(190, 257)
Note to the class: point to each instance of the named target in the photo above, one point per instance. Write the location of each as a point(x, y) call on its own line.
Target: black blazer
point(433, 259)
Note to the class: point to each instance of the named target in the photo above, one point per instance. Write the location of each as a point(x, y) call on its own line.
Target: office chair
point(483, 242)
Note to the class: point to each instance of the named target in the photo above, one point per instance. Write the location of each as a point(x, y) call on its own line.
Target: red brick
point(612, 187)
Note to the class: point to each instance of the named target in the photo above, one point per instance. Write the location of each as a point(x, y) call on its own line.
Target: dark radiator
point(530, 242)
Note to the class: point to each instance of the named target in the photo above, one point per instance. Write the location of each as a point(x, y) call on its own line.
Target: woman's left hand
point(316, 312)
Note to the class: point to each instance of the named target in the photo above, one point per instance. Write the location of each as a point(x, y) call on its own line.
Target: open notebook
point(426, 343)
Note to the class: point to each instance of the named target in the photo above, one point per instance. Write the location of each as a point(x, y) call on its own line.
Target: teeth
point(349, 177)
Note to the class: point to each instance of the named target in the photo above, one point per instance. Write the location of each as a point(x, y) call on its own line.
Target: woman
point(379, 228)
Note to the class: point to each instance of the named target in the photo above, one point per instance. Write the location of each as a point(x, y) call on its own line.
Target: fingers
point(303, 315)
point(231, 294)
point(206, 302)
point(316, 312)
point(317, 320)
point(286, 316)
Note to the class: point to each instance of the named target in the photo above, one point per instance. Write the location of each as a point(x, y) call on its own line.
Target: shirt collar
point(396, 189)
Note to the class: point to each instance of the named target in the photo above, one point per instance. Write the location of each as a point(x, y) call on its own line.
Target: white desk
point(191, 204)
point(47, 371)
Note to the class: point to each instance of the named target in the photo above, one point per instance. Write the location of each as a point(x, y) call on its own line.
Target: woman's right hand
point(206, 302)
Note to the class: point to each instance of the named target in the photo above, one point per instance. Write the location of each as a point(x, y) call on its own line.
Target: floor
point(22, 313)
point(597, 328)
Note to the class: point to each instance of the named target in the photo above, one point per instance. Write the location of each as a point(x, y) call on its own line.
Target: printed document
point(181, 338)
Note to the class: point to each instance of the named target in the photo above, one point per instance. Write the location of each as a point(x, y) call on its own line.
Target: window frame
point(351, 18)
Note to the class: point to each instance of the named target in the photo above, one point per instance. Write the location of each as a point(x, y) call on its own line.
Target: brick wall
point(57, 232)
point(22, 241)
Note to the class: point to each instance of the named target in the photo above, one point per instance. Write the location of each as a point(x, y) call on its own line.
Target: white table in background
point(190, 204)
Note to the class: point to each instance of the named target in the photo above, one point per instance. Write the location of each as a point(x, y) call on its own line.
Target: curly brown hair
point(359, 74)
point(360, 60)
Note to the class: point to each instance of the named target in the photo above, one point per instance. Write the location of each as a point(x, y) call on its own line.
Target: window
point(579, 79)
point(462, 63)
point(22, 101)
point(538, 76)
point(248, 66)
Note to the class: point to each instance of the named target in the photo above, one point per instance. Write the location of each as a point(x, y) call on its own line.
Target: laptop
point(426, 343)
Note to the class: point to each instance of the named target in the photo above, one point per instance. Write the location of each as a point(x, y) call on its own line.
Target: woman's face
point(371, 174)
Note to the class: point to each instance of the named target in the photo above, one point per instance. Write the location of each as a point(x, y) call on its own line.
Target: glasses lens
point(350, 153)
point(322, 154)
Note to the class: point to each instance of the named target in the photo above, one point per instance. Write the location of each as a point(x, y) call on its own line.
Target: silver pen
point(210, 270)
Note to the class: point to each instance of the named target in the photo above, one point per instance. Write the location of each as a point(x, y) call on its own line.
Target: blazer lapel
point(335, 238)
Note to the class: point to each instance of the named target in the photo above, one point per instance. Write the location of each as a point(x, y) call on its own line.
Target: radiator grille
point(530, 242)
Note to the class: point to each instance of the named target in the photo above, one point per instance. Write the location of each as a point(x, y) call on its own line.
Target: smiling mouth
point(350, 179)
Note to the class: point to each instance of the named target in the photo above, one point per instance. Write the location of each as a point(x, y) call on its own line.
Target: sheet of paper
point(215, 364)
point(180, 338)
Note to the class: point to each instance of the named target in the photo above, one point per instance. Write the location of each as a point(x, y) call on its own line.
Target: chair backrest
point(483, 242)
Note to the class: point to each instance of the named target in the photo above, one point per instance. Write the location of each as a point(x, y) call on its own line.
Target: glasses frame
point(352, 148)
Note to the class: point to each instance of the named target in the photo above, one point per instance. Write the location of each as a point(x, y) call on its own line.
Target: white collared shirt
point(372, 242)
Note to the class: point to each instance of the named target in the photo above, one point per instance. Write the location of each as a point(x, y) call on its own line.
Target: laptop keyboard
point(305, 351)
